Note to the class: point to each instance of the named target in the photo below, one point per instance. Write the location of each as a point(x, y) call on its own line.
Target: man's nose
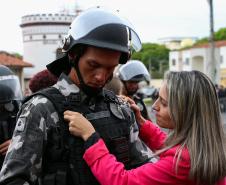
point(101, 76)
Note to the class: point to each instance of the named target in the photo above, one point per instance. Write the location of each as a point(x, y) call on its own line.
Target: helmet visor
point(10, 88)
point(134, 70)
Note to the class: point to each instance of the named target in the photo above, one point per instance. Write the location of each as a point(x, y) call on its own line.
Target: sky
point(152, 19)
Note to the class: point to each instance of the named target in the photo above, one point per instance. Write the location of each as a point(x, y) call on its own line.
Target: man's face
point(131, 87)
point(97, 65)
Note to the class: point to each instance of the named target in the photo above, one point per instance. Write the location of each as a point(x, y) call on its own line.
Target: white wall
point(39, 55)
point(39, 50)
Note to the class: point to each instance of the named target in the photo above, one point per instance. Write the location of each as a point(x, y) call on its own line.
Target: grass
point(148, 101)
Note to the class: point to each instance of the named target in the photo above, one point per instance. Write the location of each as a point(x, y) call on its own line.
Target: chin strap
point(89, 91)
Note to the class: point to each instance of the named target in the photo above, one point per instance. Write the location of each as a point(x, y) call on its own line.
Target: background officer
point(10, 98)
point(131, 73)
point(42, 148)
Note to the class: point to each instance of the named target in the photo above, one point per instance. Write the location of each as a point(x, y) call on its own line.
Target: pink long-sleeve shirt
point(110, 172)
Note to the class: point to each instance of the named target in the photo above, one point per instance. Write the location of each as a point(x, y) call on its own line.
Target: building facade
point(197, 57)
point(174, 43)
point(42, 39)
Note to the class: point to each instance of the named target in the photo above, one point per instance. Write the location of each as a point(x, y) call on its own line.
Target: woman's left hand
point(140, 119)
point(79, 125)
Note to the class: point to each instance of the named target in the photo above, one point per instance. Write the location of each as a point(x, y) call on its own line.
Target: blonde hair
point(194, 108)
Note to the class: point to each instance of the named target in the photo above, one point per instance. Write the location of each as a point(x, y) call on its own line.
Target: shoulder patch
point(116, 110)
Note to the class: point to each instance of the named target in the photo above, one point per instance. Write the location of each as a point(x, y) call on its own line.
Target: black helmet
point(9, 85)
point(10, 91)
point(100, 28)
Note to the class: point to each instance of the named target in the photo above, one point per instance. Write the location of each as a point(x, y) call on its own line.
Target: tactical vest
point(63, 162)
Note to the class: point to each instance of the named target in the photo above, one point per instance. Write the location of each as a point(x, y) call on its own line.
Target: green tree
point(219, 35)
point(155, 57)
point(17, 55)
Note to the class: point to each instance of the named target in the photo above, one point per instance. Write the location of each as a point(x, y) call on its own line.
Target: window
point(186, 61)
point(173, 62)
point(221, 59)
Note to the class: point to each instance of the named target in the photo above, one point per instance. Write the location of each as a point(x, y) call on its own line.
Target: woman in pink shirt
point(192, 153)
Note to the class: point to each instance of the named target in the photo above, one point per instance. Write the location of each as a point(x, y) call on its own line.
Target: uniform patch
point(20, 125)
point(116, 111)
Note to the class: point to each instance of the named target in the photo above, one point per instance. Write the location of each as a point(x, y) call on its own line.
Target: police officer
point(10, 98)
point(42, 149)
point(131, 73)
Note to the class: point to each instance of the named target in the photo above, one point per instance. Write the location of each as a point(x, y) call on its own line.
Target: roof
point(10, 60)
point(218, 44)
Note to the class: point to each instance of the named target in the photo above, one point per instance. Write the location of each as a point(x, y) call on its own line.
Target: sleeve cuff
point(91, 140)
point(95, 152)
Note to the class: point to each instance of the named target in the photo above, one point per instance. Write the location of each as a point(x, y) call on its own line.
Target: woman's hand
point(140, 119)
point(79, 125)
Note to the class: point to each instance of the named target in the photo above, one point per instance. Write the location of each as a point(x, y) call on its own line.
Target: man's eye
point(93, 65)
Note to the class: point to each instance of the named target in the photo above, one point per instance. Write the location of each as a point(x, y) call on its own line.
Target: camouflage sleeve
point(139, 151)
point(23, 161)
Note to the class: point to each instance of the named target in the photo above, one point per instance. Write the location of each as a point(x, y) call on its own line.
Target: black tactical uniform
point(10, 97)
point(6, 131)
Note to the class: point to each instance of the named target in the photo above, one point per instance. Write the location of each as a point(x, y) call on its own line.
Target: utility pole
point(211, 63)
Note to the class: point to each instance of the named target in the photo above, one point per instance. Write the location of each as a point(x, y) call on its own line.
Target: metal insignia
point(116, 111)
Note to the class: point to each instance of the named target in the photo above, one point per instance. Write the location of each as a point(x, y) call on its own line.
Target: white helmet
point(102, 28)
point(134, 70)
